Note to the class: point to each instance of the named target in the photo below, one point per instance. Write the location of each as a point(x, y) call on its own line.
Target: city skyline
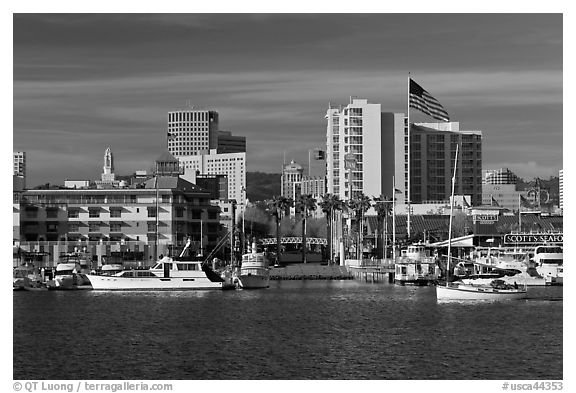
point(83, 82)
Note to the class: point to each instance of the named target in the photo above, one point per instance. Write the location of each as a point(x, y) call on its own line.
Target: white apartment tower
point(363, 136)
point(20, 165)
point(192, 132)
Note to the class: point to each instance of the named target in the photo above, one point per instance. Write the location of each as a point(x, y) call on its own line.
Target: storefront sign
point(485, 218)
point(532, 238)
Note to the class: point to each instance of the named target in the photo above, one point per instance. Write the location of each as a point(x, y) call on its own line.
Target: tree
point(329, 204)
point(359, 205)
point(383, 207)
point(277, 207)
point(304, 205)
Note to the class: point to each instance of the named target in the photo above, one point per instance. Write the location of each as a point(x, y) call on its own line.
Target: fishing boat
point(167, 274)
point(416, 267)
point(254, 272)
point(496, 291)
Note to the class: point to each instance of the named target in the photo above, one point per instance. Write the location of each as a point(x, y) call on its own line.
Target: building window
point(115, 213)
point(115, 227)
point(73, 227)
point(94, 213)
point(31, 212)
point(179, 212)
point(151, 227)
point(52, 213)
point(94, 227)
point(151, 212)
point(73, 213)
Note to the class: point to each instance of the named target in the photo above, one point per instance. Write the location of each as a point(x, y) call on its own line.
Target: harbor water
point(292, 330)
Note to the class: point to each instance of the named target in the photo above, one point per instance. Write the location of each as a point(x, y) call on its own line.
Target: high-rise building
point(192, 132)
point(291, 174)
point(499, 176)
point(372, 147)
point(232, 165)
point(20, 166)
point(432, 151)
point(228, 143)
point(360, 142)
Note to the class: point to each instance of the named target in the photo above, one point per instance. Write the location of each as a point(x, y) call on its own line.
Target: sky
point(83, 82)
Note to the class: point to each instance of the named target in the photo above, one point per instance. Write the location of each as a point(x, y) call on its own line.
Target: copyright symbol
point(17, 386)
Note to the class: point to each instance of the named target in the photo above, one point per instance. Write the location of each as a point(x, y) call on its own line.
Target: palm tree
point(329, 204)
point(360, 205)
point(277, 206)
point(304, 205)
point(382, 205)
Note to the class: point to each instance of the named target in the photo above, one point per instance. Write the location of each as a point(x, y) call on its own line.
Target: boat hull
point(478, 293)
point(253, 281)
point(414, 282)
point(113, 283)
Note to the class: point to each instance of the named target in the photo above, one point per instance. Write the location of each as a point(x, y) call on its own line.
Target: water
point(293, 330)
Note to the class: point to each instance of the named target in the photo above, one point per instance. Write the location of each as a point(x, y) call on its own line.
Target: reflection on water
point(292, 330)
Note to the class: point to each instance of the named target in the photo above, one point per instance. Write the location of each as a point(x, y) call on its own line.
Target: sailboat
point(495, 291)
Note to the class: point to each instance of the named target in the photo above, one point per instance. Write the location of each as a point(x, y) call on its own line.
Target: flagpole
point(393, 219)
point(519, 213)
point(408, 202)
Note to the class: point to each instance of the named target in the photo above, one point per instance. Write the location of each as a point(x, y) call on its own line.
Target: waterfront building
point(122, 215)
point(19, 160)
point(291, 180)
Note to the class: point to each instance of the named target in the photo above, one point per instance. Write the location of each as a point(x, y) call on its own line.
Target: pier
point(310, 272)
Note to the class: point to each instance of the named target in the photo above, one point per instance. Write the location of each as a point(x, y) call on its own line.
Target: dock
point(310, 272)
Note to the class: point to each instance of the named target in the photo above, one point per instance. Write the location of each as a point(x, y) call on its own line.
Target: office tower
point(232, 165)
point(291, 175)
point(20, 167)
point(228, 143)
point(192, 132)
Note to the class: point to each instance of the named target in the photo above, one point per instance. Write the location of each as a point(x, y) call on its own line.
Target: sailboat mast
point(450, 222)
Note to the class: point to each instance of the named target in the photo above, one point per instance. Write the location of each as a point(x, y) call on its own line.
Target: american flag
point(423, 101)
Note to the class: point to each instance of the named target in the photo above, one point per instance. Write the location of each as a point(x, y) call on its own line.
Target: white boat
point(254, 272)
point(167, 274)
point(25, 276)
point(495, 292)
point(550, 263)
point(416, 267)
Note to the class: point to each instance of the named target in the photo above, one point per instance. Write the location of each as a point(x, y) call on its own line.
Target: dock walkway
point(310, 272)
